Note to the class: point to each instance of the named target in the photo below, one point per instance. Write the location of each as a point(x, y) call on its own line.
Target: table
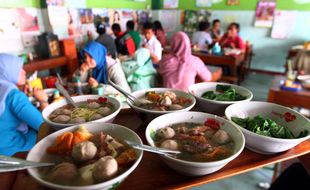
point(152, 173)
point(299, 99)
point(233, 62)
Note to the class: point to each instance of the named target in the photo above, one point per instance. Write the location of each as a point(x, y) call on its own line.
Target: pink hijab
point(179, 68)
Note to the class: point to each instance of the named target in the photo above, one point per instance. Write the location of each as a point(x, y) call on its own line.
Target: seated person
point(134, 34)
point(98, 67)
point(19, 119)
point(140, 72)
point(106, 40)
point(216, 30)
point(159, 33)
point(202, 38)
point(180, 68)
point(125, 45)
point(231, 39)
point(151, 43)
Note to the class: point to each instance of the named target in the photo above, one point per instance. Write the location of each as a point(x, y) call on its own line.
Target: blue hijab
point(10, 67)
point(98, 52)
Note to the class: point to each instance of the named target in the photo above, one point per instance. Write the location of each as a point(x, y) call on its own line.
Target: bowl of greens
point(214, 97)
point(269, 128)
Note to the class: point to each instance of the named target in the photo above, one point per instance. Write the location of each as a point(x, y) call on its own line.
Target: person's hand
point(84, 67)
point(40, 95)
point(93, 83)
point(232, 45)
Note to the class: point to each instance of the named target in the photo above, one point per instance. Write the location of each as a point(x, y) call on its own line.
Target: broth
point(197, 142)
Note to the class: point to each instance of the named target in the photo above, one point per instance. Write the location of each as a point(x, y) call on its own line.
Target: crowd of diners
point(132, 59)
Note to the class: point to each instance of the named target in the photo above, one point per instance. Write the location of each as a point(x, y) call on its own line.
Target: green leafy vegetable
point(223, 93)
point(267, 127)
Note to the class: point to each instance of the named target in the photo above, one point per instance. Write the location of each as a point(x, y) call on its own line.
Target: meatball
point(175, 107)
point(105, 168)
point(63, 172)
point(221, 137)
point(62, 119)
point(66, 112)
point(78, 120)
point(93, 105)
point(169, 144)
point(166, 101)
point(104, 111)
point(95, 117)
point(171, 95)
point(84, 151)
point(166, 132)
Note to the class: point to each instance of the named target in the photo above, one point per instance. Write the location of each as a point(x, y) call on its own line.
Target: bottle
point(216, 50)
point(78, 86)
point(56, 96)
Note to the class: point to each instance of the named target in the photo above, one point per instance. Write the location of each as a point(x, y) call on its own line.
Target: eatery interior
point(154, 94)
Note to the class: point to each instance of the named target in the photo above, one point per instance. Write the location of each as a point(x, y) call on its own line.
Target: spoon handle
point(64, 92)
point(130, 97)
point(153, 149)
point(8, 164)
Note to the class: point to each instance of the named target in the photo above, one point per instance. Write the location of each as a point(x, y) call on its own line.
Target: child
point(151, 43)
point(125, 45)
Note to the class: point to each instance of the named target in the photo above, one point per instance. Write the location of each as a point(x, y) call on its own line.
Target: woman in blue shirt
point(19, 119)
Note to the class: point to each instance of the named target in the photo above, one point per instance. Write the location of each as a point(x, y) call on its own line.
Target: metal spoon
point(65, 93)
point(8, 164)
point(131, 98)
point(156, 150)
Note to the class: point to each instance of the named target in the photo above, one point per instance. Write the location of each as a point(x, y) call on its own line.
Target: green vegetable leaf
point(153, 135)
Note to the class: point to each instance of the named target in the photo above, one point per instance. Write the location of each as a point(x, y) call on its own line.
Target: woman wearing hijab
point(98, 67)
point(180, 68)
point(19, 119)
point(140, 72)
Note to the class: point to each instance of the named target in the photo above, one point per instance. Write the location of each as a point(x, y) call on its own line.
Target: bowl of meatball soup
point(206, 142)
point(91, 108)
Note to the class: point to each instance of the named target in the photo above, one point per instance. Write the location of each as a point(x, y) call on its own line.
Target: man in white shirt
point(202, 38)
point(152, 43)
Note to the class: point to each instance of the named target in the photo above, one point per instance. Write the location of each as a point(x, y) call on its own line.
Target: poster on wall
point(59, 20)
point(233, 2)
point(115, 16)
point(29, 25)
point(10, 31)
point(127, 15)
point(55, 2)
point(281, 29)
point(203, 3)
point(169, 20)
point(86, 16)
point(74, 23)
point(191, 19)
point(75, 3)
point(264, 13)
point(171, 4)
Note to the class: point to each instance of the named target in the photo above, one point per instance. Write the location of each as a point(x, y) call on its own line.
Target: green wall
point(244, 5)
point(130, 4)
point(20, 3)
point(158, 4)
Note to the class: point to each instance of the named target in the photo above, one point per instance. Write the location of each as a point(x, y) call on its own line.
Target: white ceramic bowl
point(305, 81)
point(284, 116)
point(213, 106)
point(50, 108)
point(148, 115)
point(196, 168)
point(117, 131)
